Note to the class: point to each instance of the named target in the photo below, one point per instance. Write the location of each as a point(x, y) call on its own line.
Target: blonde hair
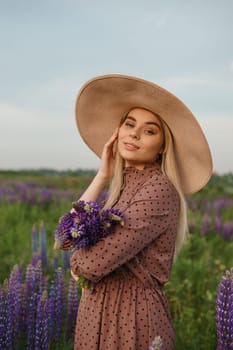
point(169, 168)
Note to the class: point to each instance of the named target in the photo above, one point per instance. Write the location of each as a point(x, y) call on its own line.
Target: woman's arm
point(145, 220)
point(104, 173)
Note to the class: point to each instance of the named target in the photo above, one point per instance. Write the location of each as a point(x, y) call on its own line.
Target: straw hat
point(104, 100)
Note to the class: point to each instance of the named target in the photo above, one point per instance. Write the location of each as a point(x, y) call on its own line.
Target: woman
point(157, 153)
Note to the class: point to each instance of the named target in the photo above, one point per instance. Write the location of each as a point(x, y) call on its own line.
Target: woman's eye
point(149, 132)
point(129, 124)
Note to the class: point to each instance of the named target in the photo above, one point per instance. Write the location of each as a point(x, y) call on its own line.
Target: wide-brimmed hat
point(104, 100)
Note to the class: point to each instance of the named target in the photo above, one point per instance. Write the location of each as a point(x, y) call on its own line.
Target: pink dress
point(130, 267)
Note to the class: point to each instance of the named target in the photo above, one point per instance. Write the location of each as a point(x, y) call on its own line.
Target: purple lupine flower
point(30, 280)
point(3, 318)
point(42, 323)
point(13, 307)
point(60, 302)
point(63, 231)
point(34, 240)
point(39, 277)
point(205, 226)
point(156, 344)
point(86, 225)
point(52, 312)
point(72, 308)
point(43, 246)
point(55, 261)
point(224, 312)
point(66, 259)
point(32, 193)
point(31, 293)
point(227, 230)
point(221, 203)
point(23, 311)
point(110, 218)
point(35, 258)
point(218, 224)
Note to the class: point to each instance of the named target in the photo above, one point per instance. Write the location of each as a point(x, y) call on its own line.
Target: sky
point(49, 49)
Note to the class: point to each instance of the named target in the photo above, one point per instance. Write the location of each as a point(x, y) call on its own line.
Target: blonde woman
point(156, 154)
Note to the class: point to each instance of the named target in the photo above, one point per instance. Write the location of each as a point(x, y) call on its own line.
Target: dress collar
point(133, 174)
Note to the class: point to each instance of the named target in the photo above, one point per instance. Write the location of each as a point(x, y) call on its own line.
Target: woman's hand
point(108, 157)
point(104, 173)
point(75, 277)
point(66, 245)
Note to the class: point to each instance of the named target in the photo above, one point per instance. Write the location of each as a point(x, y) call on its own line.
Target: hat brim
point(104, 100)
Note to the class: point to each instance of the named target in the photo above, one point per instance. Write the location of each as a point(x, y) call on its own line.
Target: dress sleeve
point(145, 220)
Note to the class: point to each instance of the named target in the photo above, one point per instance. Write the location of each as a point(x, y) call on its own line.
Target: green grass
point(192, 290)
point(15, 231)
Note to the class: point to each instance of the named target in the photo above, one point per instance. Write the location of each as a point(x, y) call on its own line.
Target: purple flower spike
point(52, 311)
point(13, 307)
point(66, 259)
point(31, 295)
point(205, 226)
point(72, 308)
point(35, 258)
point(42, 323)
point(227, 230)
point(3, 318)
point(34, 240)
point(55, 261)
point(224, 312)
point(43, 247)
point(218, 224)
point(60, 303)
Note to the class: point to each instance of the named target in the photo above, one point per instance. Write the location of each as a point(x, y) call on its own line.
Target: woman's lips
point(131, 146)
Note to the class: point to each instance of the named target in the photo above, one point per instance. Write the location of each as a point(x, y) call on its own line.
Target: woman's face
point(140, 138)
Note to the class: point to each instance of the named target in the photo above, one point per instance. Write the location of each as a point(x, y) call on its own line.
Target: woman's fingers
point(112, 138)
point(75, 277)
point(115, 135)
point(108, 156)
point(66, 245)
point(108, 147)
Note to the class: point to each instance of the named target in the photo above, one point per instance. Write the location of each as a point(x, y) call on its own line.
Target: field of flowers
point(39, 300)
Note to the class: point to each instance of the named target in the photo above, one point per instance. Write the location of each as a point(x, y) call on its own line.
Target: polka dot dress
point(130, 267)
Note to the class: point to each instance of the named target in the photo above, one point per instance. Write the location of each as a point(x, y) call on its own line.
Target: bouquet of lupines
point(85, 225)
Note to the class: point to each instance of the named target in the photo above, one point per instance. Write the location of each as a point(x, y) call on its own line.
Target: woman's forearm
point(95, 188)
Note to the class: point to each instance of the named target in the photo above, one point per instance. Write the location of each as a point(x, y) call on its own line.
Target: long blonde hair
point(169, 168)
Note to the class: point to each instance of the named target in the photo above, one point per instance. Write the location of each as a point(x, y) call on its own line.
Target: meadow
point(31, 203)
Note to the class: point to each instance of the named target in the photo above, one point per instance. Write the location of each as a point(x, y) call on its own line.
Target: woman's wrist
point(102, 177)
point(95, 188)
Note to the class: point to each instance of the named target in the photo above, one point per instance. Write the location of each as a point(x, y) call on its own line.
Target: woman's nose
point(134, 134)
